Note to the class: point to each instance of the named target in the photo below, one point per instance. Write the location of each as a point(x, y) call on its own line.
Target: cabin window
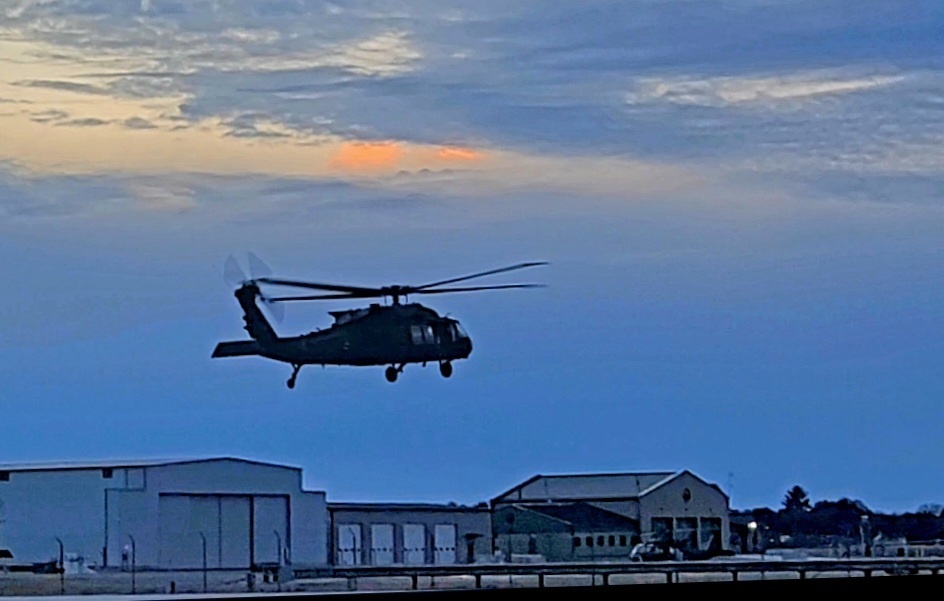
point(612, 541)
point(600, 542)
point(589, 541)
point(576, 541)
point(107, 472)
point(422, 334)
point(4, 476)
point(622, 540)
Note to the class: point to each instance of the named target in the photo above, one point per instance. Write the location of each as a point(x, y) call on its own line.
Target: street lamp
point(752, 536)
point(134, 558)
point(278, 558)
point(61, 568)
point(204, 561)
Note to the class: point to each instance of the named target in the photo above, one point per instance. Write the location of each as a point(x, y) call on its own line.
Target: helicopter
point(394, 334)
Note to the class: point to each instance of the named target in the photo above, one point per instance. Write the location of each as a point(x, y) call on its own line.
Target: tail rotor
point(235, 277)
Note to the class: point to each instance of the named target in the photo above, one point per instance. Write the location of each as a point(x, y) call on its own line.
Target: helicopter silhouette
point(394, 334)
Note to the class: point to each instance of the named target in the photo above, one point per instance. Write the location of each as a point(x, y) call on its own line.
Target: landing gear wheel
point(391, 374)
point(291, 380)
point(445, 369)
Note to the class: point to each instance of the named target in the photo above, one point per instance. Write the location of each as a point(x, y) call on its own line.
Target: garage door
point(193, 525)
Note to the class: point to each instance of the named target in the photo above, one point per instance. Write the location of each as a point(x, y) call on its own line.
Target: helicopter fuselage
point(376, 335)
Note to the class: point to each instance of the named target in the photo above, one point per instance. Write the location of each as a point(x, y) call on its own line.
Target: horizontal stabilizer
point(242, 348)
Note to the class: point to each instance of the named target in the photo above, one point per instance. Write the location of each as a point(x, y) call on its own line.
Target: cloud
point(138, 123)
point(367, 156)
point(163, 196)
point(766, 92)
point(68, 86)
point(388, 53)
point(89, 122)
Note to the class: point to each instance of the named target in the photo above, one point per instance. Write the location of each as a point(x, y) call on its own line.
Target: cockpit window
point(459, 332)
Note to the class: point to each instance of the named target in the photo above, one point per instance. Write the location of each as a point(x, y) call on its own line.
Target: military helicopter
point(394, 334)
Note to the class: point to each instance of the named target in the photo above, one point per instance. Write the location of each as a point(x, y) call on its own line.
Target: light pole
point(204, 539)
point(752, 536)
point(61, 568)
point(134, 558)
point(278, 558)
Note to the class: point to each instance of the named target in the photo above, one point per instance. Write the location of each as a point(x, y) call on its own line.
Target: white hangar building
point(163, 514)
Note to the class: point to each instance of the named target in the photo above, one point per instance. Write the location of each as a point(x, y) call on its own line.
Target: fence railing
point(670, 570)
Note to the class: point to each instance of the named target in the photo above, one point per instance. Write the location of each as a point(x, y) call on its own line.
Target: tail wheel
point(391, 374)
point(445, 369)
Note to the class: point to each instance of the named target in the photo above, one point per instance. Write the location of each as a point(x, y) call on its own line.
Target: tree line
point(800, 523)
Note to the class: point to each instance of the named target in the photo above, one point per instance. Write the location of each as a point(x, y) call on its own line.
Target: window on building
point(577, 541)
point(612, 540)
point(589, 541)
point(4, 476)
point(622, 540)
point(107, 472)
point(600, 542)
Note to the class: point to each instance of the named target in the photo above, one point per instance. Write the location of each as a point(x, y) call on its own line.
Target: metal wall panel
point(270, 528)
point(222, 520)
point(235, 530)
point(181, 521)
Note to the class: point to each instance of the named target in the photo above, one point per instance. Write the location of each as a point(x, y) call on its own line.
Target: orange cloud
point(367, 156)
point(456, 153)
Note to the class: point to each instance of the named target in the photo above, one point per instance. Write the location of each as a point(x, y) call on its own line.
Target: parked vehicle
point(652, 552)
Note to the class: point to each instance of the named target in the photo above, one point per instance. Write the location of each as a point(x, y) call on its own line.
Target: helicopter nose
point(467, 346)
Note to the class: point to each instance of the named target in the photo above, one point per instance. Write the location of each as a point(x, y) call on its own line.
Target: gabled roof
point(405, 507)
point(123, 463)
point(596, 486)
point(586, 487)
point(583, 516)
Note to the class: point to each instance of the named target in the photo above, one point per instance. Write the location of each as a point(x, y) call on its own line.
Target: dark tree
point(796, 499)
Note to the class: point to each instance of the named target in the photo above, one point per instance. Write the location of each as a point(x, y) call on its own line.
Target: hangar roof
point(584, 515)
point(589, 487)
point(122, 463)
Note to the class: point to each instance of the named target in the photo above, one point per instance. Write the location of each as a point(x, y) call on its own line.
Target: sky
point(741, 203)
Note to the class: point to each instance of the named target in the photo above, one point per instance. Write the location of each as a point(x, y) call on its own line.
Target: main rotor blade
point(314, 286)
point(479, 275)
point(473, 288)
point(278, 299)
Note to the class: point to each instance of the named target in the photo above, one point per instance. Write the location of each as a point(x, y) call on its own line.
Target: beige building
point(678, 507)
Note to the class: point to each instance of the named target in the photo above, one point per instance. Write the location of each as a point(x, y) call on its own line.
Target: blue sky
point(740, 202)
